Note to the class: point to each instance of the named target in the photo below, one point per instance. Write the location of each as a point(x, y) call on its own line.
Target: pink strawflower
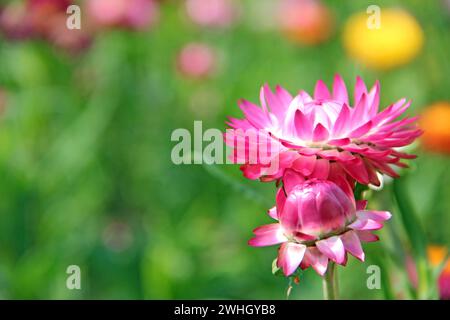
point(212, 13)
point(133, 14)
point(323, 136)
point(196, 60)
point(317, 222)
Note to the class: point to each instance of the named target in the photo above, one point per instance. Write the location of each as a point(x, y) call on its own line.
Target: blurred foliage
point(87, 177)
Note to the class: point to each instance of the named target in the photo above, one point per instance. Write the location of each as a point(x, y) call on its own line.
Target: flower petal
point(321, 91)
point(374, 215)
point(361, 204)
point(366, 224)
point(291, 179)
point(272, 212)
point(290, 255)
point(360, 89)
point(352, 244)
point(321, 169)
point(340, 90)
point(367, 236)
point(303, 125)
point(304, 164)
point(267, 235)
point(333, 248)
point(317, 260)
point(320, 133)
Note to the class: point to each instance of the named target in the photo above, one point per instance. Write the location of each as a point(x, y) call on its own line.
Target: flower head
point(317, 222)
point(323, 136)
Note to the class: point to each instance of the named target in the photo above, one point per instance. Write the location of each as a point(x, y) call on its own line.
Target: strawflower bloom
point(318, 222)
point(323, 136)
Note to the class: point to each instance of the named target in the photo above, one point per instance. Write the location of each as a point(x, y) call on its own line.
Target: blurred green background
point(87, 178)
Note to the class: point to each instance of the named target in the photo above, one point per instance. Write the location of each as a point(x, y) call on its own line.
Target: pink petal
point(272, 212)
point(316, 260)
point(360, 89)
point(357, 170)
point(374, 99)
point(320, 133)
point(303, 125)
point(267, 235)
point(360, 131)
point(374, 215)
point(367, 236)
point(342, 121)
point(361, 204)
point(339, 89)
point(352, 244)
point(333, 154)
point(290, 255)
point(333, 248)
point(305, 97)
point(321, 91)
point(304, 164)
point(321, 169)
point(360, 110)
point(277, 103)
point(339, 142)
point(366, 224)
point(291, 179)
point(283, 95)
point(280, 200)
point(254, 114)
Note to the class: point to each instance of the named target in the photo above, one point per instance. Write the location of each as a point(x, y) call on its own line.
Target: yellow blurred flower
point(396, 42)
point(435, 123)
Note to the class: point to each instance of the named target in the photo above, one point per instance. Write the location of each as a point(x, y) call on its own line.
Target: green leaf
point(415, 233)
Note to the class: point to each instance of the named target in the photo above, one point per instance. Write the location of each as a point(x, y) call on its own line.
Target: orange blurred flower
point(435, 122)
point(436, 256)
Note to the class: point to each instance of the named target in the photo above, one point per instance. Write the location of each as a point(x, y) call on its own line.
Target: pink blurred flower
point(134, 14)
point(323, 136)
point(305, 21)
point(317, 222)
point(196, 60)
point(13, 21)
point(212, 13)
point(44, 19)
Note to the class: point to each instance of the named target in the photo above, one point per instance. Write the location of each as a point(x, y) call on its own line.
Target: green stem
point(330, 284)
point(422, 286)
